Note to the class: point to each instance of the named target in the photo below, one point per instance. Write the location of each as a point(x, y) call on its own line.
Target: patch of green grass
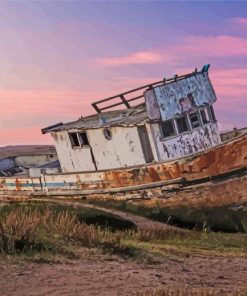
point(52, 233)
point(190, 242)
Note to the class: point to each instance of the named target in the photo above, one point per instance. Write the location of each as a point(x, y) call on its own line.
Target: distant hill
point(20, 150)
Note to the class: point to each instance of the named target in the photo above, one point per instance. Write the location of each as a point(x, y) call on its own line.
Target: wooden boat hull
point(217, 176)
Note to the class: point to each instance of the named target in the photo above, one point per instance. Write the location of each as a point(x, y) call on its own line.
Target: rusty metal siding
point(183, 95)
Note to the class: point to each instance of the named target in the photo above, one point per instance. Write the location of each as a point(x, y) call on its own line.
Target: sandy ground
point(100, 277)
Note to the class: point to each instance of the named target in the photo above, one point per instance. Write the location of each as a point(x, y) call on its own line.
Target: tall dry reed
point(24, 229)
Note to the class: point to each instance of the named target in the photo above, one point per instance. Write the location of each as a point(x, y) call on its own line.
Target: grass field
point(40, 232)
point(51, 228)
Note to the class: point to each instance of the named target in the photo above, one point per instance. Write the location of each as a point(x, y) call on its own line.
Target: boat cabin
point(171, 118)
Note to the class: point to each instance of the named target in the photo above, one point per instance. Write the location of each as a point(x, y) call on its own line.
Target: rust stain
point(79, 183)
point(212, 162)
point(154, 175)
point(218, 194)
point(215, 161)
point(3, 184)
point(18, 185)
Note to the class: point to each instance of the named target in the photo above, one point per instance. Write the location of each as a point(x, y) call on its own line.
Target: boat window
point(74, 140)
point(83, 139)
point(168, 129)
point(211, 112)
point(204, 115)
point(194, 119)
point(107, 133)
point(182, 124)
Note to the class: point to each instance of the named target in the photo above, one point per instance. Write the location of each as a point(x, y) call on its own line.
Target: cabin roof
point(128, 117)
point(133, 115)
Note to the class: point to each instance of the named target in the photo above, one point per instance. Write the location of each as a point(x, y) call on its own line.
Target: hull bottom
point(219, 192)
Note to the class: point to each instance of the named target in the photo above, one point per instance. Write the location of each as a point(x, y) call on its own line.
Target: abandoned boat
point(166, 147)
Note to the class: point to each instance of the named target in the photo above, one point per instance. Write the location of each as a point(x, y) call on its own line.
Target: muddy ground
point(120, 277)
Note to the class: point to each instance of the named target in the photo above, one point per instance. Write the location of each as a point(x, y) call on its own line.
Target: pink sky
point(55, 64)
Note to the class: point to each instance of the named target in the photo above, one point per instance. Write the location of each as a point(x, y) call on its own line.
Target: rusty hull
point(227, 192)
point(225, 158)
point(231, 191)
point(210, 194)
point(222, 159)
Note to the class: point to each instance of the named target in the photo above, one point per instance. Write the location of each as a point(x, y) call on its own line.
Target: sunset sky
point(58, 57)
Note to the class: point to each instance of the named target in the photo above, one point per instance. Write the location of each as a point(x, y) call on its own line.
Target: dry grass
point(147, 234)
point(24, 230)
point(47, 228)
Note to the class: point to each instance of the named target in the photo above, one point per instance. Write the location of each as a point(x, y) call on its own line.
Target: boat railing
point(121, 99)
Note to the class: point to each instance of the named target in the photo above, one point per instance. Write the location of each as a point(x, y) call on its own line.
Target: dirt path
point(123, 278)
point(119, 277)
point(140, 222)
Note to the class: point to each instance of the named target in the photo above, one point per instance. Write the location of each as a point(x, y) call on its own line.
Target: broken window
point(168, 129)
point(83, 139)
point(204, 116)
point(211, 112)
point(182, 124)
point(194, 119)
point(74, 140)
point(187, 103)
point(78, 139)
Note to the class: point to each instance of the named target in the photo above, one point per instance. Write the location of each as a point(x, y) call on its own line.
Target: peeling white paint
point(182, 95)
point(123, 150)
point(72, 159)
point(128, 144)
point(185, 144)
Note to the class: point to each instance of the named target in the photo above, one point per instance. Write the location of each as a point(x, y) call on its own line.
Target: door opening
point(145, 143)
